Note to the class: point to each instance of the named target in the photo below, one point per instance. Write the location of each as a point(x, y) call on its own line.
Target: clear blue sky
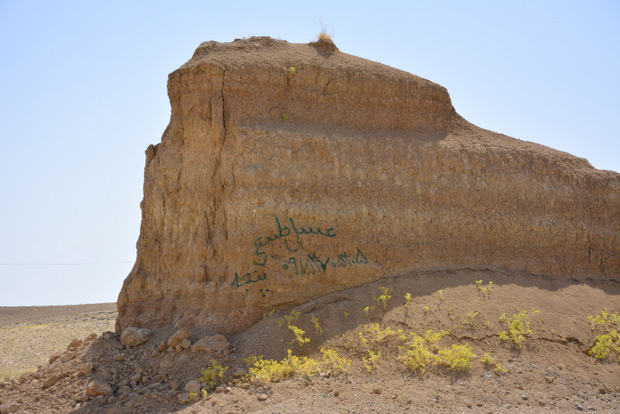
point(83, 93)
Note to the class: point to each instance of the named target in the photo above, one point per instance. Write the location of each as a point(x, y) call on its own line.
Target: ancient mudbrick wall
point(290, 171)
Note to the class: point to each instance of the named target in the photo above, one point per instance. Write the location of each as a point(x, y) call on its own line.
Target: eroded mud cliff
point(289, 171)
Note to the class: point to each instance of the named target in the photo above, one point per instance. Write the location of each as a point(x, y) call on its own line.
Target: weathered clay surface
point(274, 185)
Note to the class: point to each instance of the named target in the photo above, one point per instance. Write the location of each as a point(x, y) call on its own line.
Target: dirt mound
point(290, 171)
point(550, 370)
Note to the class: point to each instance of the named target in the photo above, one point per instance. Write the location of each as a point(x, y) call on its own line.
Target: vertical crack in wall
point(219, 232)
point(223, 96)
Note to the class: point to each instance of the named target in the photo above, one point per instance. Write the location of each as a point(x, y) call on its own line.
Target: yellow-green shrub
point(269, 370)
point(457, 358)
point(417, 356)
point(212, 375)
point(370, 361)
point(518, 327)
point(604, 344)
point(299, 335)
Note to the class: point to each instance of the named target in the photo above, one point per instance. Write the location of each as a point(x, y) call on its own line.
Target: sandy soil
point(551, 371)
point(30, 334)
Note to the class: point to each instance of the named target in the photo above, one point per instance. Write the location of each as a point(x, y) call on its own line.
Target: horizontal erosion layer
point(305, 88)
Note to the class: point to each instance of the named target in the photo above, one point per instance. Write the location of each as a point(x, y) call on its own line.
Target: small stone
point(49, 381)
point(98, 387)
point(123, 390)
point(86, 369)
point(174, 385)
point(178, 337)
point(377, 390)
point(211, 344)
point(133, 336)
point(25, 377)
point(591, 408)
point(161, 347)
point(525, 397)
point(262, 397)
point(67, 356)
point(336, 393)
point(185, 344)
point(74, 344)
point(55, 356)
point(192, 386)
point(9, 408)
point(81, 397)
point(182, 398)
point(579, 407)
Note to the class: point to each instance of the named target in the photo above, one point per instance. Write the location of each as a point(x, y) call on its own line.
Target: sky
point(83, 94)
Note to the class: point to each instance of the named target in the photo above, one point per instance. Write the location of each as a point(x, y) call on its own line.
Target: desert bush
point(289, 319)
point(317, 326)
point(369, 362)
point(456, 358)
point(605, 344)
point(608, 342)
point(372, 334)
point(274, 371)
point(212, 375)
point(605, 320)
point(484, 290)
point(488, 360)
point(299, 335)
point(382, 300)
point(408, 298)
point(417, 355)
point(518, 327)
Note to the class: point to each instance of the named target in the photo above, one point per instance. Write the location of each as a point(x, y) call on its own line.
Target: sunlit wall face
point(83, 94)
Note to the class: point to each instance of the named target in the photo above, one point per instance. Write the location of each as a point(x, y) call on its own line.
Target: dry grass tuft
point(324, 36)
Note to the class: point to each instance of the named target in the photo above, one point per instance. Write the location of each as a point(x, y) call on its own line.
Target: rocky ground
point(30, 334)
point(154, 372)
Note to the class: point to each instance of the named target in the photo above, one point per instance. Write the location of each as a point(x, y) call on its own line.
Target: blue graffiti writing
point(312, 263)
point(291, 238)
point(247, 278)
